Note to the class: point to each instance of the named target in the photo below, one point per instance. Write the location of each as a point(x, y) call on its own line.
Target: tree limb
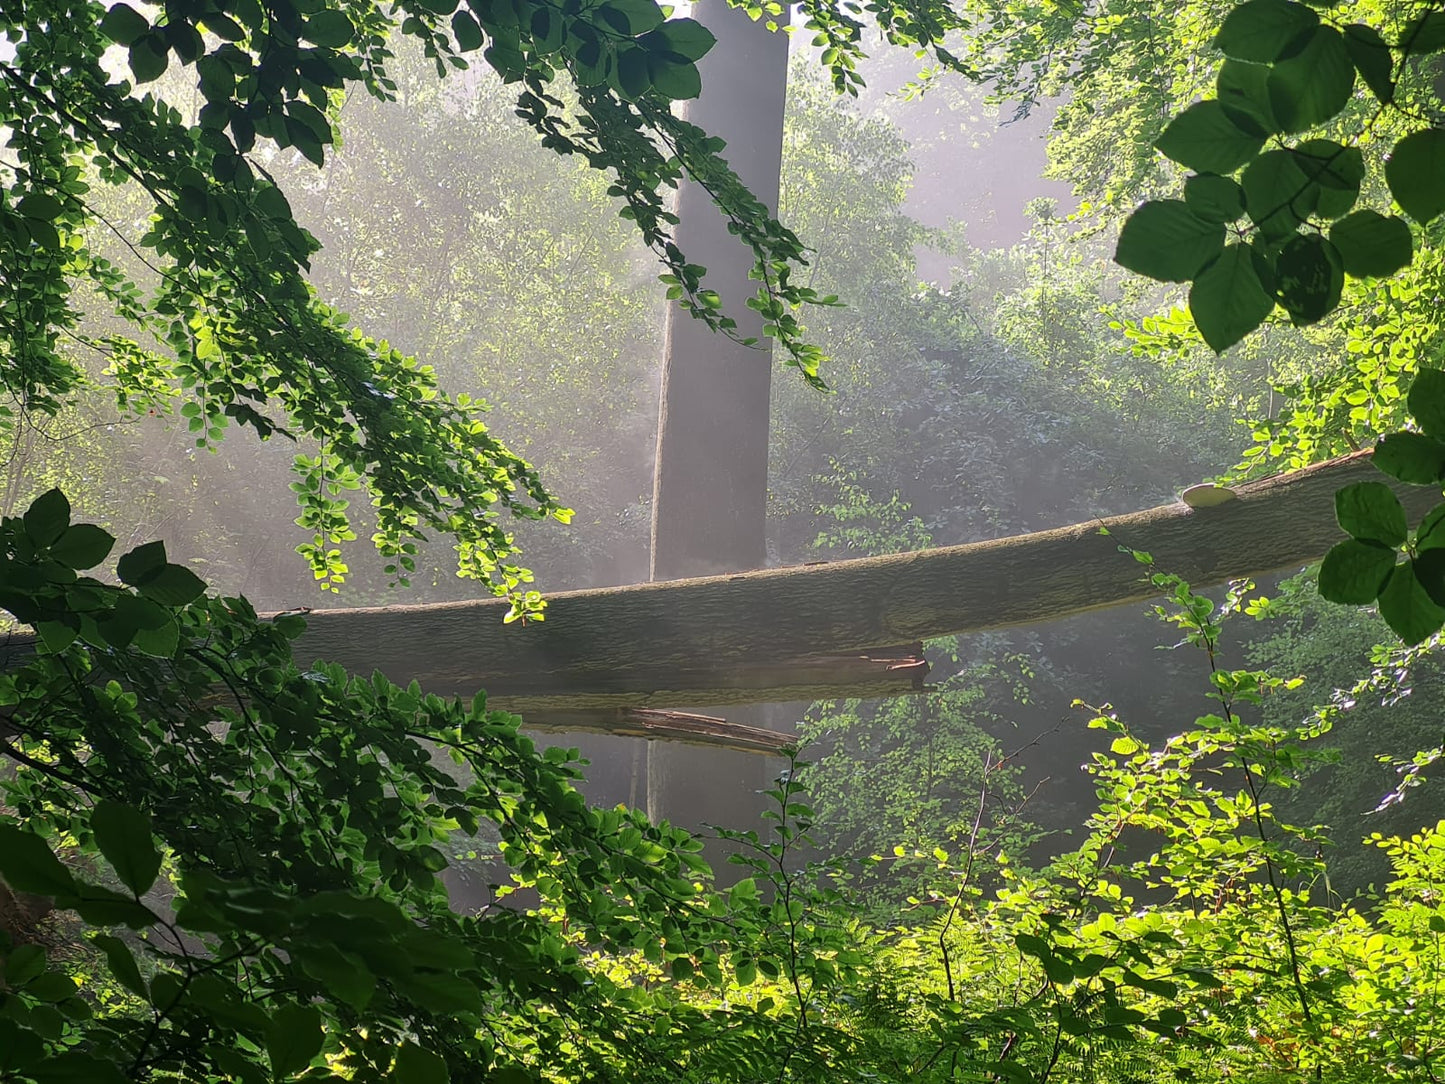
point(670, 643)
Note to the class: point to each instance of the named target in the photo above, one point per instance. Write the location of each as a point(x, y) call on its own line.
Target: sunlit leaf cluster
point(1269, 214)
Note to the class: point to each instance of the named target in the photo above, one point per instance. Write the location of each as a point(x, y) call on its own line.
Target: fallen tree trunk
point(888, 671)
point(640, 644)
point(743, 638)
point(661, 725)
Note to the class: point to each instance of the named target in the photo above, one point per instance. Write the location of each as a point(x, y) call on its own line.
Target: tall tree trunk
point(710, 489)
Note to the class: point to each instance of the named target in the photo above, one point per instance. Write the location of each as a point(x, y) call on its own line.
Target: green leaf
point(304, 140)
point(1312, 86)
point(1264, 30)
point(441, 992)
point(25, 962)
point(1165, 240)
point(1214, 198)
point(1372, 59)
point(1426, 401)
point(329, 28)
point(149, 58)
point(271, 202)
point(123, 835)
point(593, 64)
point(1354, 572)
point(417, 1066)
point(1336, 169)
point(122, 24)
point(1243, 91)
point(633, 80)
point(47, 517)
point(1415, 172)
point(39, 205)
point(174, 585)
point(687, 38)
point(218, 82)
point(57, 635)
point(1309, 277)
point(19, 1047)
point(675, 79)
point(141, 563)
point(1058, 970)
point(1431, 532)
point(1407, 607)
point(28, 865)
point(1372, 245)
point(122, 963)
point(1277, 193)
point(636, 16)
point(52, 986)
point(1430, 571)
point(466, 31)
point(82, 546)
point(185, 39)
point(293, 1038)
point(343, 974)
point(1411, 457)
point(222, 25)
point(159, 642)
point(140, 612)
point(549, 30)
point(1370, 512)
point(1425, 34)
point(1032, 945)
point(146, 569)
point(1227, 300)
point(1205, 139)
point(102, 906)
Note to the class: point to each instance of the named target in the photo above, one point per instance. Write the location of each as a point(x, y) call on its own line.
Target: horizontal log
point(885, 671)
point(633, 642)
point(662, 725)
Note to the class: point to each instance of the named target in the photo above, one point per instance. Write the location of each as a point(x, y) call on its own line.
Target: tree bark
point(639, 639)
point(655, 724)
point(873, 673)
point(711, 482)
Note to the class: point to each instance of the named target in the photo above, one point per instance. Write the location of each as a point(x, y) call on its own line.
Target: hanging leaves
point(1366, 569)
point(1286, 72)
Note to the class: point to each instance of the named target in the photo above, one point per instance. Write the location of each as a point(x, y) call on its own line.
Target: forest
point(587, 540)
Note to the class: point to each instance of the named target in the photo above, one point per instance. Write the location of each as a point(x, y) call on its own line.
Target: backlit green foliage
point(1280, 156)
point(216, 310)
